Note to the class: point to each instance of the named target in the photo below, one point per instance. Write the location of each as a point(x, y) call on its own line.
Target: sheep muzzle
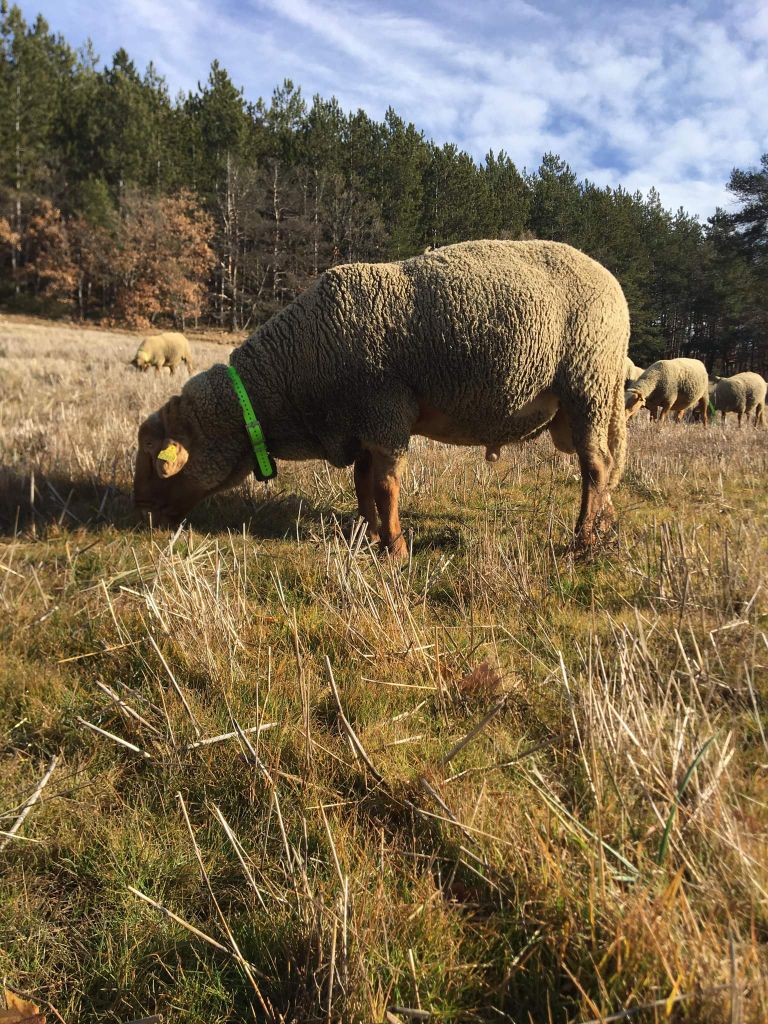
point(633, 403)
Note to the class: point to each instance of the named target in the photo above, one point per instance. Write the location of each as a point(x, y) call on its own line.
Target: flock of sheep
point(479, 343)
point(682, 385)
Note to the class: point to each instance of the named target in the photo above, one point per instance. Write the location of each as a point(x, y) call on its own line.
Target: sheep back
point(482, 338)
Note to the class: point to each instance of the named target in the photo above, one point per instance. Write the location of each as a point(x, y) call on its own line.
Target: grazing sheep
point(631, 372)
point(669, 385)
point(169, 349)
point(742, 393)
point(479, 343)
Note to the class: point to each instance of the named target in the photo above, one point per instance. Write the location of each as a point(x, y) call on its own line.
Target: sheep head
point(187, 451)
point(633, 402)
point(141, 360)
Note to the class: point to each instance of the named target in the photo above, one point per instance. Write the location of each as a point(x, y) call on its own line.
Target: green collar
point(265, 466)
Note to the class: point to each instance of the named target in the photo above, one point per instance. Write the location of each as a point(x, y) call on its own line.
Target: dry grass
point(495, 784)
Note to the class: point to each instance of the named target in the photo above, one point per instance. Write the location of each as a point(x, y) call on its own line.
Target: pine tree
point(554, 200)
point(33, 67)
point(404, 159)
point(510, 196)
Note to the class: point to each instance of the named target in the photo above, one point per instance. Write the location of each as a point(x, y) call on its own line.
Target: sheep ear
point(171, 447)
point(171, 458)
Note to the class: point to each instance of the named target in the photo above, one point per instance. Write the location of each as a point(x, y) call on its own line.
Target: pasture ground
point(495, 783)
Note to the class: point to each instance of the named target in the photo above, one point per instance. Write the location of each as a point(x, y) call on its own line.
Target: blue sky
point(640, 94)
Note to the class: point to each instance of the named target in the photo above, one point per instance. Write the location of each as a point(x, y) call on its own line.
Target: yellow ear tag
point(168, 454)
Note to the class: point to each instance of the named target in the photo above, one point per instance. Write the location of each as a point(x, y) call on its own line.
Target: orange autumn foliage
point(162, 259)
point(153, 263)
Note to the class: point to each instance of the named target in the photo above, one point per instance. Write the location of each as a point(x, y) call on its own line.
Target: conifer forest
point(123, 204)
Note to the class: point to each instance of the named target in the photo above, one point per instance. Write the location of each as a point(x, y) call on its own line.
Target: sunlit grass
point(599, 843)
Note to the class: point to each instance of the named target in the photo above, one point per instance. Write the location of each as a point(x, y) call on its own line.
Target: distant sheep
point(479, 343)
point(669, 385)
point(742, 393)
point(632, 372)
point(169, 349)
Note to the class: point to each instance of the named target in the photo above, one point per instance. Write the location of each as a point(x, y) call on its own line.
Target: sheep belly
point(491, 430)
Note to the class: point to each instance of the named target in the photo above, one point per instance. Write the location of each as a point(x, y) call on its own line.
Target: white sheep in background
point(743, 393)
point(169, 348)
point(669, 385)
point(632, 372)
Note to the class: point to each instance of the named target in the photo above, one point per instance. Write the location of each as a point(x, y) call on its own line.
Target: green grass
point(564, 864)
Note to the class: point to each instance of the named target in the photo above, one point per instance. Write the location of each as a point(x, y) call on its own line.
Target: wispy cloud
point(638, 94)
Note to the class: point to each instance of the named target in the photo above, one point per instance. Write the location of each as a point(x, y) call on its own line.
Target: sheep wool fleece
point(478, 343)
point(467, 337)
point(631, 371)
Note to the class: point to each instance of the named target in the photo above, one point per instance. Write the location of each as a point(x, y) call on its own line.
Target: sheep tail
point(617, 436)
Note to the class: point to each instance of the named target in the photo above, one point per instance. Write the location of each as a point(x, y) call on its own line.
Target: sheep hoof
point(396, 549)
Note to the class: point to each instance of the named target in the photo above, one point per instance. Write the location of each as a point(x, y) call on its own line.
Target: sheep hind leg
point(595, 498)
point(562, 438)
point(596, 463)
point(386, 470)
point(617, 447)
point(366, 501)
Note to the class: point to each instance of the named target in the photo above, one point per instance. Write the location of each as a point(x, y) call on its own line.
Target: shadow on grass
point(42, 502)
point(34, 501)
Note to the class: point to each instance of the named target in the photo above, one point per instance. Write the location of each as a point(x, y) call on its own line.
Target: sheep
point(669, 385)
point(742, 393)
point(477, 343)
point(631, 372)
point(169, 349)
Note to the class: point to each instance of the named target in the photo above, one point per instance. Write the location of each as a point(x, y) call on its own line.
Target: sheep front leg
point(704, 408)
point(366, 501)
point(386, 471)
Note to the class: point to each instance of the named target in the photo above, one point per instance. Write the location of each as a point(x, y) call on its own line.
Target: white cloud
point(643, 95)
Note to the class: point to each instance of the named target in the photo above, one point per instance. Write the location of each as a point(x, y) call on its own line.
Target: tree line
point(122, 203)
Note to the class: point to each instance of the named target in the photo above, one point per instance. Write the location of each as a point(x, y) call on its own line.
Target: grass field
point(495, 783)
